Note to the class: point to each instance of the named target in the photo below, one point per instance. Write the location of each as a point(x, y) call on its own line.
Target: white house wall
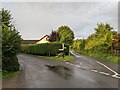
point(44, 40)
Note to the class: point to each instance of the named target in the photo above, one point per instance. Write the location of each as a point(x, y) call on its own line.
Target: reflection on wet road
point(61, 71)
point(42, 73)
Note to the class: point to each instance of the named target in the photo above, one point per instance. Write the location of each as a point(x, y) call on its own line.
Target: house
point(44, 39)
point(29, 41)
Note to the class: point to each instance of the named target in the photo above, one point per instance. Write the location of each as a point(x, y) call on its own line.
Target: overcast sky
point(34, 20)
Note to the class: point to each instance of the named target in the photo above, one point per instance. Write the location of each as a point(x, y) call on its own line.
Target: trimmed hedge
point(44, 49)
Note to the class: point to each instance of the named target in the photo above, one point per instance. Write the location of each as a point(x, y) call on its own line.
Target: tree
point(82, 44)
point(11, 42)
point(6, 18)
point(116, 44)
point(66, 34)
point(54, 36)
point(102, 37)
point(76, 44)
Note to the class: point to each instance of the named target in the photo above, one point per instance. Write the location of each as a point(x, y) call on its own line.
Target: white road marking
point(115, 76)
point(67, 62)
point(106, 67)
point(77, 65)
point(94, 70)
point(71, 64)
point(75, 54)
point(115, 73)
point(104, 73)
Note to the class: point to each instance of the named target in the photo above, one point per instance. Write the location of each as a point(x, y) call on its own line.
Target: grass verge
point(6, 74)
point(102, 55)
point(66, 58)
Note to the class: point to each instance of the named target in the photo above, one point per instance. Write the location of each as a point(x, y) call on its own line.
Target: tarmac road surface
point(83, 72)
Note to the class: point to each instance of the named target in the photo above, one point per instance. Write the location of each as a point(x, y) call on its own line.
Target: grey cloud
point(34, 20)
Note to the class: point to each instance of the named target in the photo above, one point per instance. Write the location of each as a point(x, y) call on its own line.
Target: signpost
point(63, 47)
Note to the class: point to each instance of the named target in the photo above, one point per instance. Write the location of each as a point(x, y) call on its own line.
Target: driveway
point(83, 72)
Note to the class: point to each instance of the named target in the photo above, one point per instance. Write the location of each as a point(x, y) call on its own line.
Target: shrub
point(10, 47)
point(44, 49)
point(10, 63)
point(62, 54)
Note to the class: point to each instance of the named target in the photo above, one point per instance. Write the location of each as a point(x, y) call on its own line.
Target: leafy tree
point(66, 34)
point(102, 37)
point(76, 44)
point(54, 36)
point(116, 44)
point(82, 45)
point(11, 41)
point(104, 43)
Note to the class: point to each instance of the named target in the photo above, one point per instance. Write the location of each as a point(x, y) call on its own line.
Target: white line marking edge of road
point(103, 73)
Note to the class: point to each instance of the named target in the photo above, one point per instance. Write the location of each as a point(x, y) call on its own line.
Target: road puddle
point(61, 71)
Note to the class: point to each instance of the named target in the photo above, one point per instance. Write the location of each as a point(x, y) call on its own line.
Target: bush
point(44, 49)
point(10, 63)
point(62, 54)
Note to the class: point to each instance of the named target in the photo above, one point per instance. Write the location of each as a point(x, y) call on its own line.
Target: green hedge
point(44, 49)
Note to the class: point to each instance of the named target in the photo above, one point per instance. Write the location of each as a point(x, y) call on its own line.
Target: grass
point(66, 58)
point(5, 74)
point(102, 55)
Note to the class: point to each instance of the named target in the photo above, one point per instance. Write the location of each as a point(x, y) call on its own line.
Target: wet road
point(83, 72)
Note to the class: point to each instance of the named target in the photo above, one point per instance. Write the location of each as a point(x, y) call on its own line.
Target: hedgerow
point(45, 49)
